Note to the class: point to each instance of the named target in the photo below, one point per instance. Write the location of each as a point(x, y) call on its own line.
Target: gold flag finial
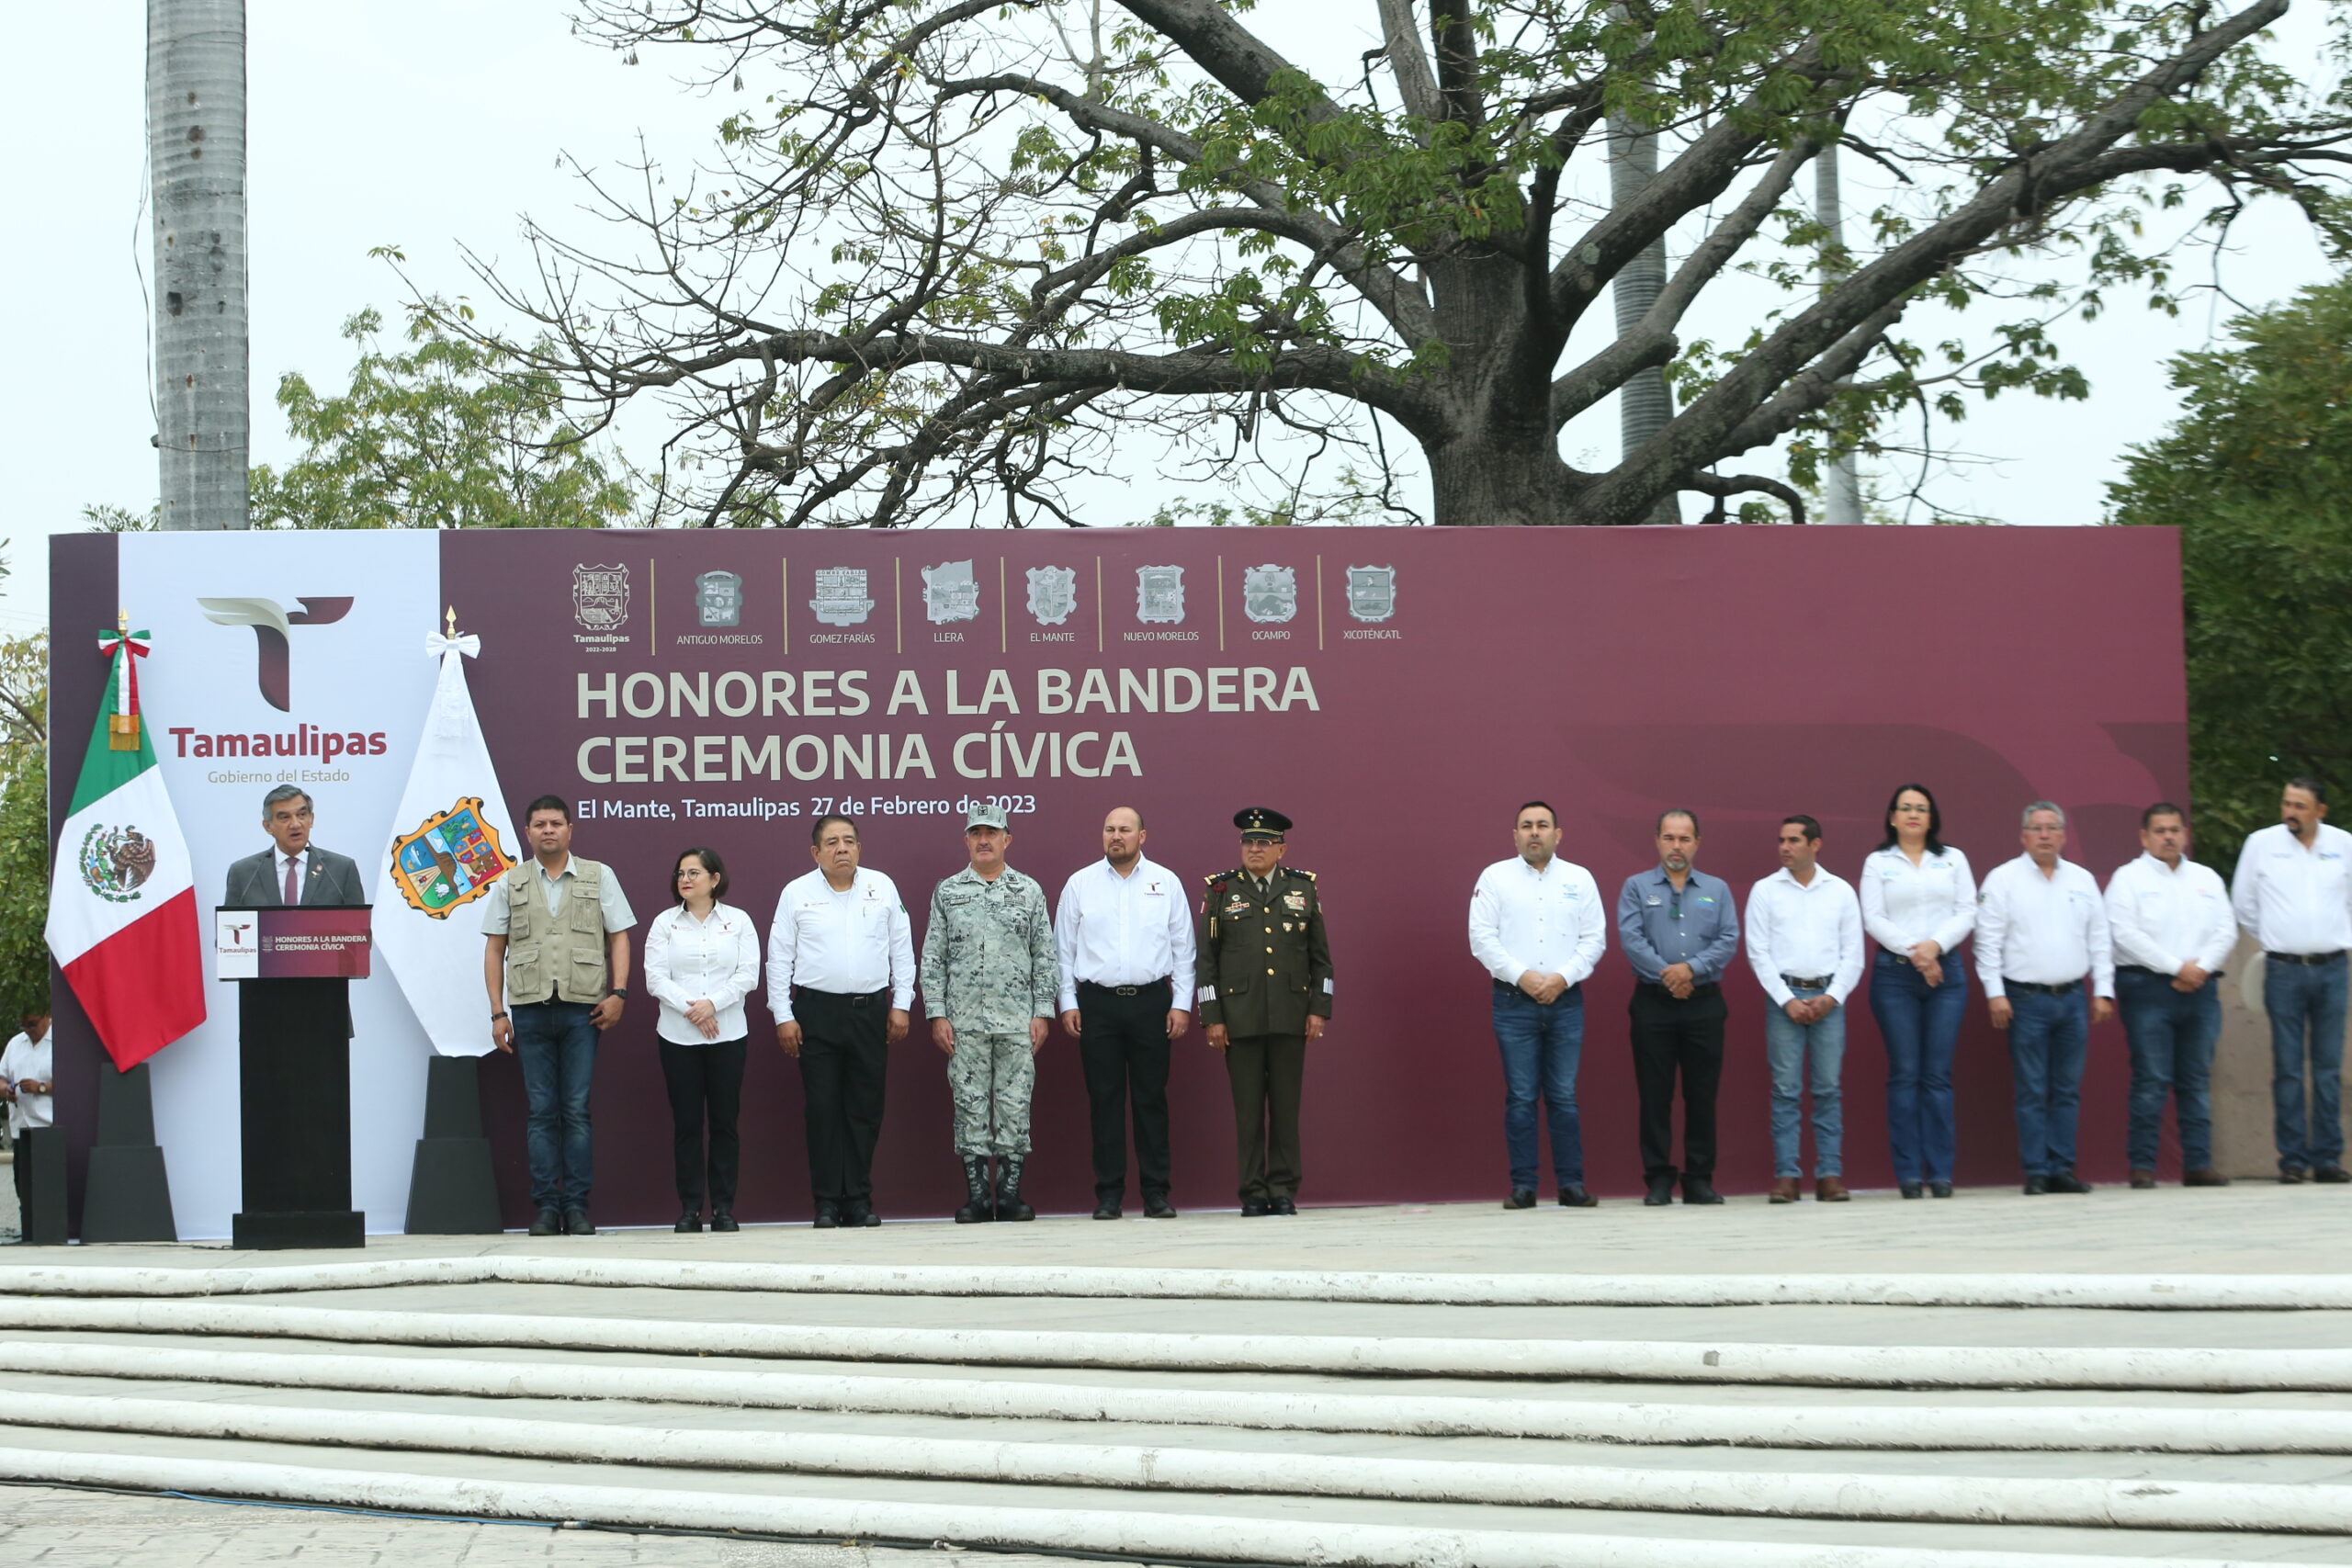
point(122, 622)
point(451, 621)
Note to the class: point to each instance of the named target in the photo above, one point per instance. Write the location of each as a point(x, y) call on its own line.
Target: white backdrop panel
point(364, 674)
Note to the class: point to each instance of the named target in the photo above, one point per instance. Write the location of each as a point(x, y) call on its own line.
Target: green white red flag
point(123, 919)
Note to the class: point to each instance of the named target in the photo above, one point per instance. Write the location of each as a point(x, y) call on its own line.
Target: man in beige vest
point(558, 956)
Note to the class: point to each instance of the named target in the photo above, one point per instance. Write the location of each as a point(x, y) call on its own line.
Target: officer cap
point(1259, 822)
point(987, 817)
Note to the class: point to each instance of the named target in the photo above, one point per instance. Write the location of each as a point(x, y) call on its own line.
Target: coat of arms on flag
point(451, 860)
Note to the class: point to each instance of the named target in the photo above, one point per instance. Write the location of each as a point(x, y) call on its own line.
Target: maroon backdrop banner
point(1398, 693)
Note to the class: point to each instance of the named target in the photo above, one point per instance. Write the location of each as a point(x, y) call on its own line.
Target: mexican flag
point(122, 902)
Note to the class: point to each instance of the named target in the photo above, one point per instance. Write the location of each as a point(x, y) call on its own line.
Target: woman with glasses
point(702, 958)
point(1918, 904)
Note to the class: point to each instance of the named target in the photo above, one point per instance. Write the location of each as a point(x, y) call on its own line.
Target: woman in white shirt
point(1918, 904)
point(702, 958)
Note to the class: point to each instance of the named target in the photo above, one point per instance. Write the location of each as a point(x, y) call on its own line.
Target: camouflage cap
point(987, 817)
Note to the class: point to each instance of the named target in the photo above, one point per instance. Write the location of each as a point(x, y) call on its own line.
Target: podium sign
point(324, 942)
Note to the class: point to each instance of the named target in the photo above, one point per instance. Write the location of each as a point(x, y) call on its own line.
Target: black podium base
point(128, 1197)
point(294, 1091)
point(290, 1228)
point(43, 1151)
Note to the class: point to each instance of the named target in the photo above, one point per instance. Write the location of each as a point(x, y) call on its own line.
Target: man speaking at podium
point(296, 871)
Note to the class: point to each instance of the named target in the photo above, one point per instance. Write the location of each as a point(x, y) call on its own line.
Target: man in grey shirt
point(1679, 928)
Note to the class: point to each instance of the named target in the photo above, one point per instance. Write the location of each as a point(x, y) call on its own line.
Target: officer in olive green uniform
point(1264, 973)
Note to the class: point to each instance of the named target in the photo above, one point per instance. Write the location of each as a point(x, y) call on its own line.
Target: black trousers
point(705, 1080)
point(1672, 1036)
point(844, 1062)
point(1123, 1045)
point(1267, 1072)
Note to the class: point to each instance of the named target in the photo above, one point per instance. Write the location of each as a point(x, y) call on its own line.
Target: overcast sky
point(435, 123)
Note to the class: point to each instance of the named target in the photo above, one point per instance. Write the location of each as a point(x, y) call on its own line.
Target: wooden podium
point(294, 965)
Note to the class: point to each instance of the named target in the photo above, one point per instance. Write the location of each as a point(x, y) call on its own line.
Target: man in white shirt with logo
point(1805, 943)
point(2293, 893)
point(841, 980)
point(2041, 932)
point(2173, 930)
point(1125, 931)
point(25, 1083)
point(1538, 928)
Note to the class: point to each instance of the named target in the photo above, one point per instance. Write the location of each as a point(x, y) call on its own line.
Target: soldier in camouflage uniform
point(1265, 990)
point(991, 976)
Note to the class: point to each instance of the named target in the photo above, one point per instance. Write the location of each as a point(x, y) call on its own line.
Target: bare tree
point(960, 247)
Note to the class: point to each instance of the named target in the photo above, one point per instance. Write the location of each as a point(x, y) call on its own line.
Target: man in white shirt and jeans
point(2293, 893)
point(1538, 928)
point(840, 980)
point(2173, 930)
point(1805, 943)
point(2041, 932)
point(1124, 930)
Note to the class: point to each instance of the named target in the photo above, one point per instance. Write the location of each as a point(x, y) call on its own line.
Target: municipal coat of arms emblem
point(451, 860)
point(1053, 593)
point(1371, 593)
point(1269, 593)
point(719, 599)
point(600, 597)
point(1159, 594)
point(840, 598)
point(950, 592)
point(115, 861)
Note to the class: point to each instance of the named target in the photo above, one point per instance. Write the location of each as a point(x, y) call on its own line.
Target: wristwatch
point(496, 1016)
point(620, 991)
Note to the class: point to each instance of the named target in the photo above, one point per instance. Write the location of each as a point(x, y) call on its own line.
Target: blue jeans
point(557, 1047)
point(1920, 1026)
point(2306, 1000)
point(2172, 1035)
point(1541, 1044)
point(2049, 1037)
point(1788, 1045)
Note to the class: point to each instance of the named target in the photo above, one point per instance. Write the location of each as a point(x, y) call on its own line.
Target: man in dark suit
point(295, 871)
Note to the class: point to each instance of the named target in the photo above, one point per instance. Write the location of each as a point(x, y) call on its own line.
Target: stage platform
point(2127, 1376)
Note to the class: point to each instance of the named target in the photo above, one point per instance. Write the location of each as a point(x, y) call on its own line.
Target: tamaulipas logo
point(271, 622)
point(451, 860)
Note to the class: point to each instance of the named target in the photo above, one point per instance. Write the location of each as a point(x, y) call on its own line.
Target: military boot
point(976, 1184)
point(1008, 1205)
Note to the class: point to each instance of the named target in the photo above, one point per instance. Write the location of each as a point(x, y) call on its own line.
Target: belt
point(1126, 991)
point(2070, 986)
point(1504, 989)
point(855, 999)
point(2304, 957)
point(1706, 989)
point(2160, 974)
point(1806, 982)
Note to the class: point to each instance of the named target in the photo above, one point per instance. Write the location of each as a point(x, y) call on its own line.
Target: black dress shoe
point(1156, 1206)
point(546, 1221)
point(1912, 1188)
point(1282, 1206)
point(2035, 1186)
point(1699, 1190)
point(858, 1214)
point(1108, 1209)
point(1520, 1198)
point(2067, 1181)
point(689, 1222)
point(1660, 1195)
point(2292, 1176)
point(1255, 1208)
point(1938, 1188)
point(1578, 1198)
point(2333, 1175)
point(575, 1222)
point(720, 1220)
point(828, 1214)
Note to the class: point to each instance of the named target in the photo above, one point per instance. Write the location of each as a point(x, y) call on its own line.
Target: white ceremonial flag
point(451, 838)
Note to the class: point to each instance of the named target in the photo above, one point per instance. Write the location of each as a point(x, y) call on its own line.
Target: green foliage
point(24, 822)
point(444, 433)
point(2257, 476)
